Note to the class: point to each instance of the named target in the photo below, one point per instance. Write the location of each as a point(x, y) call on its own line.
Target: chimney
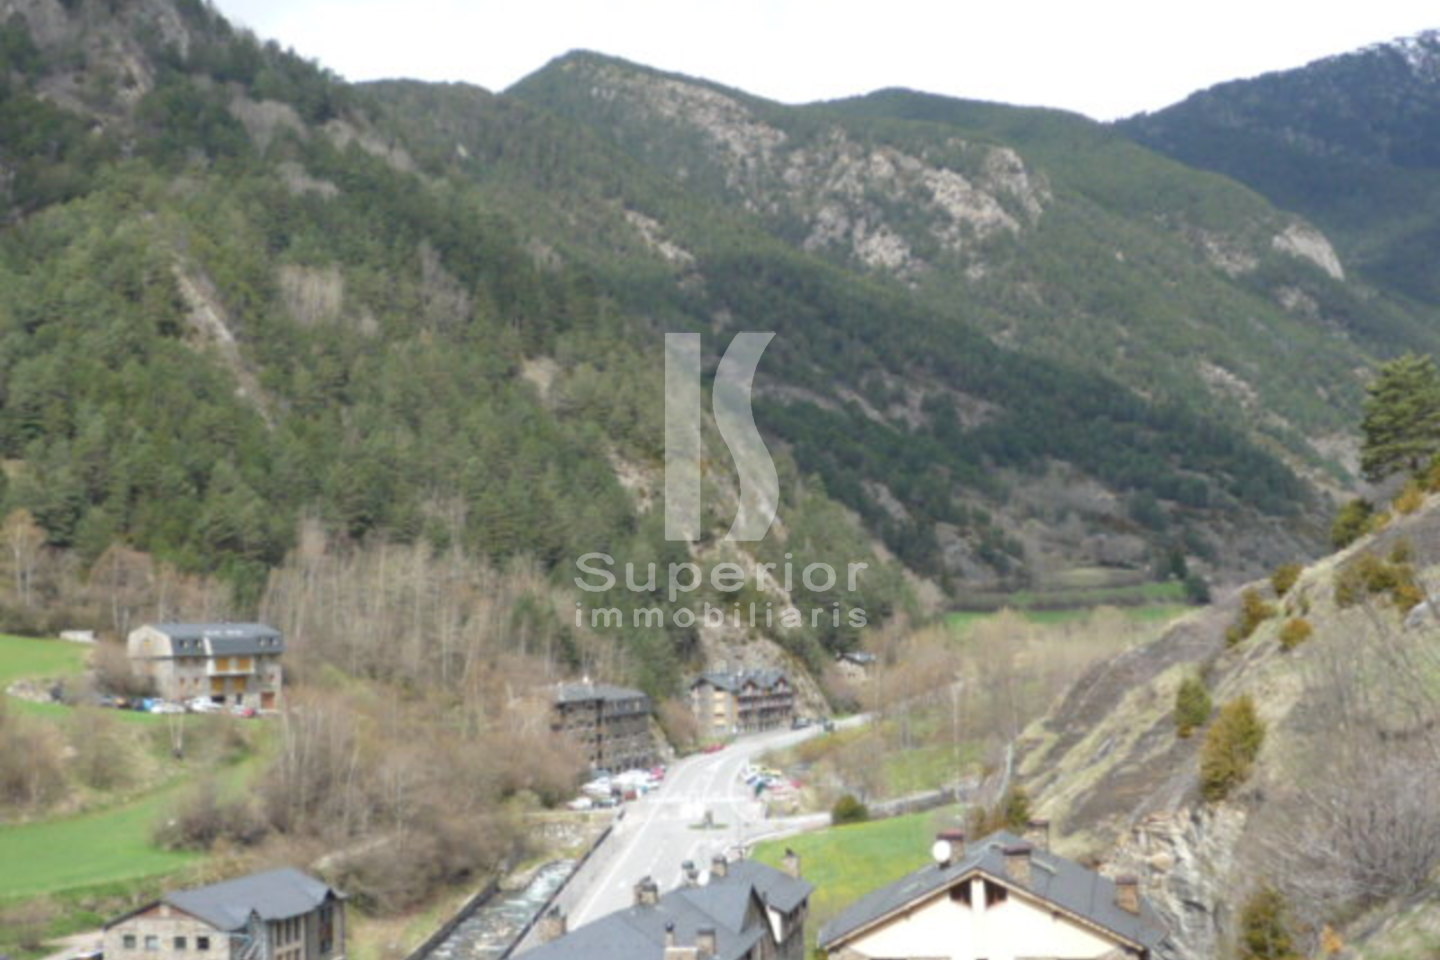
point(1127, 893)
point(705, 942)
point(719, 867)
point(791, 863)
point(692, 875)
point(1017, 863)
point(1037, 834)
point(647, 893)
point(669, 934)
point(553, 925)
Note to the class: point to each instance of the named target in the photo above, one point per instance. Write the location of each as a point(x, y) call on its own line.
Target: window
point(180, 943)
point(152, 942)
point(128, 941)
point(202, 943)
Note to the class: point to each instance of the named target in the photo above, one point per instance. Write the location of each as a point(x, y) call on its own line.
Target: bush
point(1192, 706)
point(849, 809)
point(1369, 575)
point(1253, 612)
point(27, 924)
point(1412, 498)
point(1230, 749)
point(1265, 927)
point(1197, 591)
point(1011, 813)
point(1295, 632)
point(1351, 523)
point(1431, 478)
point(202, 818)
point(1284, 578)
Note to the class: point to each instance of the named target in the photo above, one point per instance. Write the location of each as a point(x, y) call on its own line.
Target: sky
point(1103, 58)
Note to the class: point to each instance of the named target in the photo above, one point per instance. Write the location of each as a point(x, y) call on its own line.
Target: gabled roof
point(222, 639)
point(580, 692)
point(1061, 883)
point(273, 895)
point(734, 680)
point(724, 903)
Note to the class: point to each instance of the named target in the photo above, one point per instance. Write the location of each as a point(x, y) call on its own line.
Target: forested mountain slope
point(1348, 141)
point(238, 293)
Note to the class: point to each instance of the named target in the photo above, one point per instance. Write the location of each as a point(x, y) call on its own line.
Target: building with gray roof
point(727, 702)
point(611, 724)
point(1003, 896)
point(227, 663)
point(742, 911)
point(280, 914)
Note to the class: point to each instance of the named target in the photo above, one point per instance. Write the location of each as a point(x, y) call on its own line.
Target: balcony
point(230, 667)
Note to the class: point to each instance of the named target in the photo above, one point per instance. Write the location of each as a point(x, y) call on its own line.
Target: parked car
point(164, 706)
point(243, 711)
point(799, 723)
point(203, 705)
point(581, 803)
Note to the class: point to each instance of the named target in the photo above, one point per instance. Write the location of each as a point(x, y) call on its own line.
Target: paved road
point(660, 831)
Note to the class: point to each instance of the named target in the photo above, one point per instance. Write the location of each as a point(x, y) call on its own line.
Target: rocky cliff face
point(871, 204)
point(1121, 787)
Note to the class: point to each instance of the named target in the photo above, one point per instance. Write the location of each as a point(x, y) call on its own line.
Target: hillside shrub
point(1295, 632)
point(1230, 749)
point(849, 809)
point(1192, 706)
point(1369, 575)
point(1410, 499)
point(1197, 590)
point(1012, 812)
point(1265, 927)
point(1254, 610)
point(1431, 478)
point(1350, 523)
point(1284, 578)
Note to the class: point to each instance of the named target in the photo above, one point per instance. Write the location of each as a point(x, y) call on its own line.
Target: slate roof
point(579, 692)
point(638, 932)
point(734, 680)
point(1054, 879)
point(223, 639)
point(274, 895)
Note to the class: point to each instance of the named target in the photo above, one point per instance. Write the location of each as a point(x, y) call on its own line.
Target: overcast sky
point(1105, 58)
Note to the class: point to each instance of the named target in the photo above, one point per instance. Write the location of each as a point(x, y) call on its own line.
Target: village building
point(611, 724)
point(1002, 898)
point(741, 701)
point(276, 915)
point(742, 911)
point(856, 666)
point(228, 663)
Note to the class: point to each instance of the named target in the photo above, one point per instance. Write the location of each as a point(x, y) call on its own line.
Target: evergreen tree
point(1265, 927)
point(1402, 417)
point(1192, 706)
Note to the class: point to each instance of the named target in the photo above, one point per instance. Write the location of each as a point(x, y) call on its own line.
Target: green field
point(845, 863)
point(87, 850)
point(1156, 612)
point(23, 657)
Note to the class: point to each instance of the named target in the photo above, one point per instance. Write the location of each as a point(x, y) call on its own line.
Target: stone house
point(230, 663)
point(741, 701)
point(277, 915)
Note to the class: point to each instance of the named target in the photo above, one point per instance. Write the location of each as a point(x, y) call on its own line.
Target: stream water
point(493, 928)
